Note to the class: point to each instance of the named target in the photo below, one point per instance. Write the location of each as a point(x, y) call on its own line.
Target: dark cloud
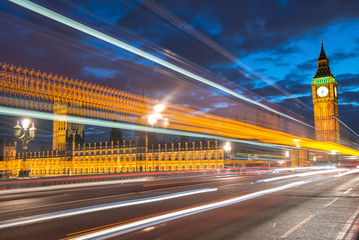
point(347, 80)
point(263, 25)
point(308, 65)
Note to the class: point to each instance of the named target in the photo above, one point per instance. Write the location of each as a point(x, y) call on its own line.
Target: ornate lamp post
point(25, 135)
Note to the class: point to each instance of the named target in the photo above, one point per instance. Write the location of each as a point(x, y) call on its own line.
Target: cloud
point(309, 65)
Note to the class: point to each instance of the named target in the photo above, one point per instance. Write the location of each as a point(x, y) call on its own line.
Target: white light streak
point(346, 126)
point(96, 208)
point(115, 231)
point(78, 185)
point(346, 173)
point(298, 175)
point(97, 34)
point(347, 191)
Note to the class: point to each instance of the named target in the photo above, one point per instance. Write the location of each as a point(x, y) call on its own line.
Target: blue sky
point(280, 40)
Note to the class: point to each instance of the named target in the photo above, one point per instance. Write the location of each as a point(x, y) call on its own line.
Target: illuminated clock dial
point(322, 91)
point(335, 92)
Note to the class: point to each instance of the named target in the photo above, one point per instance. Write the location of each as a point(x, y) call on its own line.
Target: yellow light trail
point(228, 131)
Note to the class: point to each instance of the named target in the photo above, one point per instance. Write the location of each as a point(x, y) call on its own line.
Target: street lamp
point(156, 116)
point(227, 147)
point(28, 134)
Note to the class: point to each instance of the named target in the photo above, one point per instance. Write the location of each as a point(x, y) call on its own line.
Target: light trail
point(318, 146)
point(115, 231)
point(346, 126)
point(298, 175)
point(97, 34)
point(77, 185)
point(303, 168)
point(348, 172)
point(96, 208)
point(103, 123)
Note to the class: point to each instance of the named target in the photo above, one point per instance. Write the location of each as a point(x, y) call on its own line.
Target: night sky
point(265, 50)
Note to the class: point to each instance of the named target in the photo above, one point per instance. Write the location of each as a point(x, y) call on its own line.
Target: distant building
point(65, 132)
point(7, 156)
point(7, 150)
point(325, 101)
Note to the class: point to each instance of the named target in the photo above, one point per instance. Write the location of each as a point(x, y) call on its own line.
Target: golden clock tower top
point(325, 101)
point(323, 69)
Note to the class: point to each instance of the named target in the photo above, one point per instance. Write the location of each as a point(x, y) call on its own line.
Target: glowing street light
point(159, 108)
point(27, 136)
point(333, 152)
point(297, 142)
point(227, 147)
point(152, 119)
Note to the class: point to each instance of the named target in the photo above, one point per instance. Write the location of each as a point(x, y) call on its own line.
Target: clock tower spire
point(325, 101)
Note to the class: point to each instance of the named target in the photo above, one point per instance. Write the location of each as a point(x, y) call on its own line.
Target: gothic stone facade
point(124, 157)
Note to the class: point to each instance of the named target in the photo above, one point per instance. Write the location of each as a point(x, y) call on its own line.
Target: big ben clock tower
point(325, 101)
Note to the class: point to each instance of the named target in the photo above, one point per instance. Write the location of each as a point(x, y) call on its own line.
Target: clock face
point(322, 91)
point(335, 92)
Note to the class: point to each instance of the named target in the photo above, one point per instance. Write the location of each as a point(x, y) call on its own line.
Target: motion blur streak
point(303, 168)
point(307, 144)
point(78, 185)
point(83, 28)
point(346, 173)
point(72, 212)
point(111, 232)
point(102, 123)
point(299, 175)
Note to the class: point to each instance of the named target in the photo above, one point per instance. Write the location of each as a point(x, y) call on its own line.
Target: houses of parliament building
point(72, 156)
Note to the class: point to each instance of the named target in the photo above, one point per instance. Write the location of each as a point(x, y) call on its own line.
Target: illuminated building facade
point(71, 156)
point(121, 157)
point(64, 132)
point(325, 101)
